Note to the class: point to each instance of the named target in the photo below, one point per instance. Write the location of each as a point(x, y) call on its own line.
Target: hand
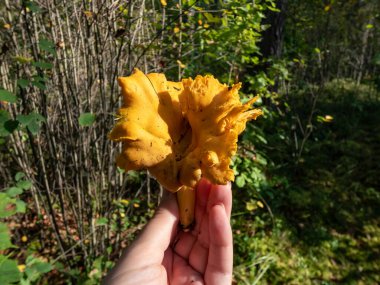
point(163, 254)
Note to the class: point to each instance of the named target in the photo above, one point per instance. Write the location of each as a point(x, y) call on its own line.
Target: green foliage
point(43, 64)
point(5, 239)
point(7, 96)
point(299, 217)
point(7, 125)
point(31, 121)
point(35, 268)
point(47, 46)
point(86, 119)
point(325, 208)
point(222, 42)
point(9, 273)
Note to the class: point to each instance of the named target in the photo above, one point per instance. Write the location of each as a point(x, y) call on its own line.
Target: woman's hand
point(163, 254)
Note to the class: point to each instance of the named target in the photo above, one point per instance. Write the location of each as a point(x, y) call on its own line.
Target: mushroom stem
point(186, 203)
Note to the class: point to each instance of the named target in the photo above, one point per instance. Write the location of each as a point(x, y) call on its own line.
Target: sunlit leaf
point(102, 221)
point(19, 175)
point(36, 267)
point(22, 59)
point(240, 181)
point(5, 239)
point(7, 206)
point(86, 119)
point(9, 272)
point(20, 206)
point(24, 184)
point(250, 206)
point(32, 121)
point(7, 96)
point(181, 64)
point(43, 64)
point(14, 191)
point(88, 14)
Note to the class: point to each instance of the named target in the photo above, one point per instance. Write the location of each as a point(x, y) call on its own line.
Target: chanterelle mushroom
point(180, 131)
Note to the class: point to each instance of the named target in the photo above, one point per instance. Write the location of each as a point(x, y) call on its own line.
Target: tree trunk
point(272, 38)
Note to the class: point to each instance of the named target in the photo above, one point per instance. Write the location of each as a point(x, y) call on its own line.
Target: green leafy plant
point(10, 205)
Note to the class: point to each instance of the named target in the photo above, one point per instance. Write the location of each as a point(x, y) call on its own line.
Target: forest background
point(306, 193)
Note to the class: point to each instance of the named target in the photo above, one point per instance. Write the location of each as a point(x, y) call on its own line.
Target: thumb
point(152, 242)
point(162, 228)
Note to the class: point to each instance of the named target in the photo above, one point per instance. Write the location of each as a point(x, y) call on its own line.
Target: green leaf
point(34, 127)
point(261, 159)
point(10, 126)
point(47, 46)
point(43, 64)
point(22, 59)
point(24, 282)
point(24, 184)
point(39, 85)
point(23, 119)
point(210, 18)
point(14, 191)
point(240, 181)
point(4, 116)
point(250, 206)
point(120, 170)
point(39, 82)
point(5, 239)
point(7, 206)
point(43, 267)
point(20, 206)
point(33, 7)
point(7, 96)
point(86, 119)
point(36, 267)
point(102, 221)
point(32, 121)
point(7, 125)
point(19, 175)
point(9, 272)
point(23, 83)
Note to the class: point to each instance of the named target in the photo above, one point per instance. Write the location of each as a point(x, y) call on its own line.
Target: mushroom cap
point(180, 131)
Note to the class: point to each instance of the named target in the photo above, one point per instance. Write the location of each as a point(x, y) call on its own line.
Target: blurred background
point(307, 187)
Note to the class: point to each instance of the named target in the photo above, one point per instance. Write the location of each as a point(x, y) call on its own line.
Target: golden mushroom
point(180, 131)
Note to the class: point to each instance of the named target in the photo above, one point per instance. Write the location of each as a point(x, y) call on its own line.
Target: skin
point(163, 254)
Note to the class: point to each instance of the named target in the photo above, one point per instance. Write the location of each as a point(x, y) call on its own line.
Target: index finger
point(220, 259)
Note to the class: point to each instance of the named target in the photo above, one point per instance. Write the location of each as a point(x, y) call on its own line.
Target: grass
point(326, 205)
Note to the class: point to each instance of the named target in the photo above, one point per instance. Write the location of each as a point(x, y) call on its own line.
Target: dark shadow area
point(335, 185)
point(331, 194)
